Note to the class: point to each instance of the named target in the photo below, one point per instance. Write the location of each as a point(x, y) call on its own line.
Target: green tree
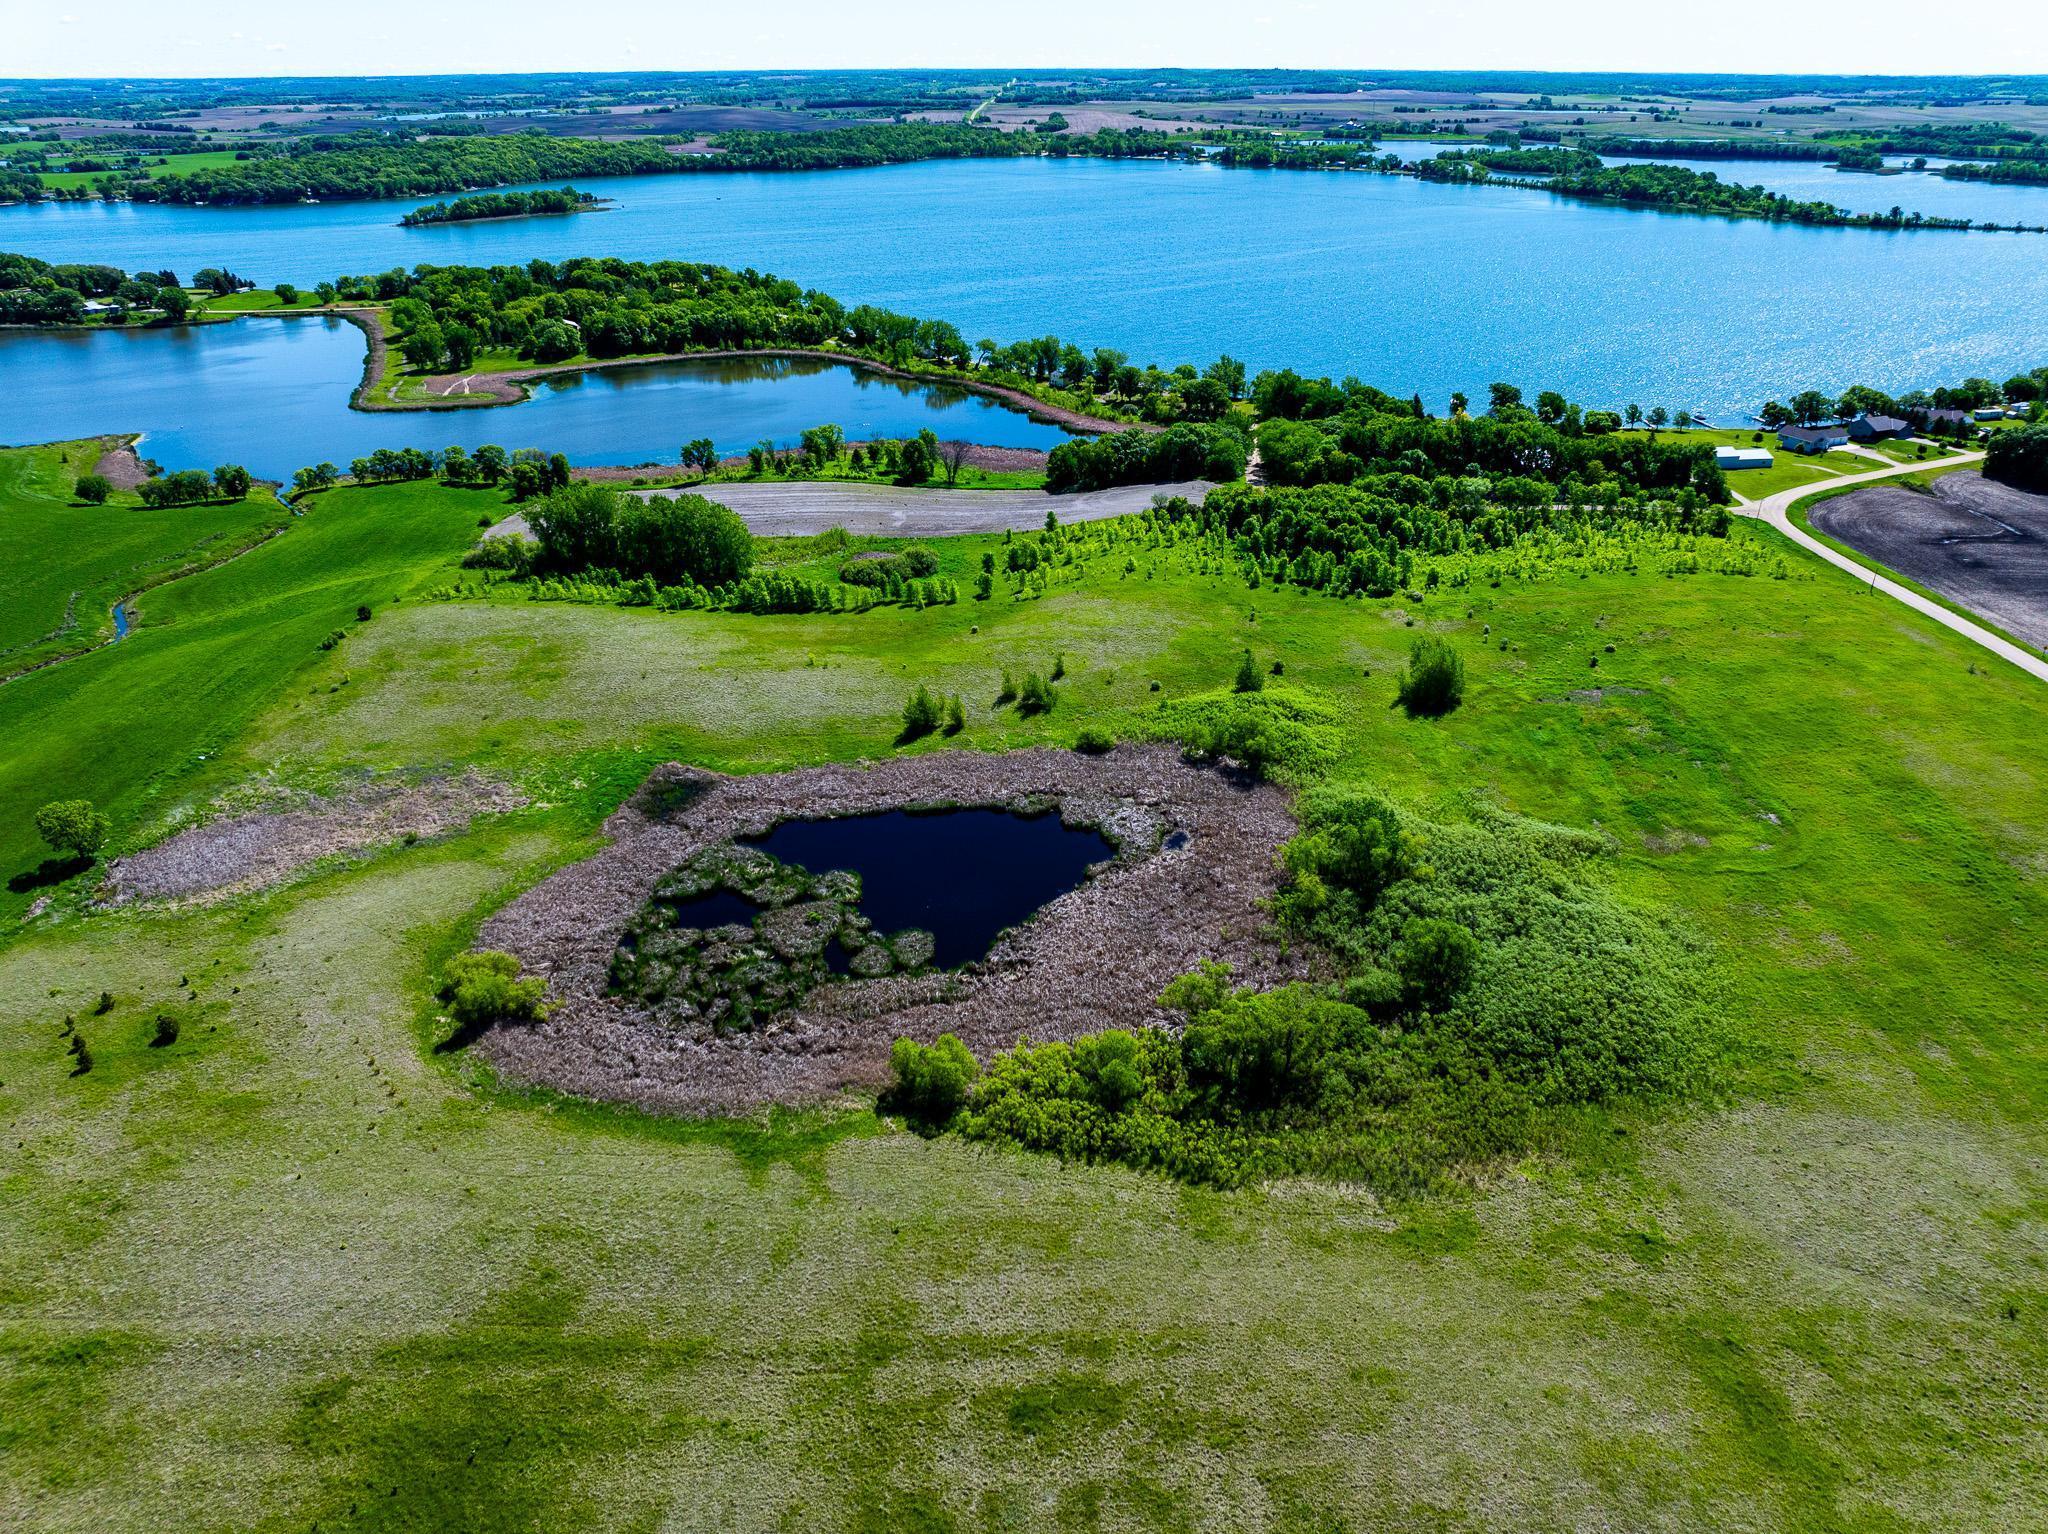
point(930, 1083)
point(93, 489)
point(1249, 677)
point(73, 826)
point(231, 481)
point(922, 713)
point(1434, 682)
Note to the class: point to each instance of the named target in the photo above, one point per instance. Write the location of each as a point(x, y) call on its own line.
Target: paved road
point(1776, 509)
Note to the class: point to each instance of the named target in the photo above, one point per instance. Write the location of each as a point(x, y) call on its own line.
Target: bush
point(165, 1032)
point(922, 714)
point(1036, 695)
point(81, 1054)
point(1094, 740)
point(1435, 960)
point(1276, 733)
point(1434, 682)
point(73, 826)
point(1248, 677)
point(956, 716)
point(482, 990)
point(930, 1083)
point(93, 489)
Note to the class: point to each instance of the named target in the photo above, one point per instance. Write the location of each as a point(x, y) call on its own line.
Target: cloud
point(277, 48)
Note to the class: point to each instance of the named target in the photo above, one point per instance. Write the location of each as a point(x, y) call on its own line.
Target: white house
point(1743, 457)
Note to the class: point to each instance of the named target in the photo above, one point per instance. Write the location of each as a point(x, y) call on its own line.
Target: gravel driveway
point(781, 509)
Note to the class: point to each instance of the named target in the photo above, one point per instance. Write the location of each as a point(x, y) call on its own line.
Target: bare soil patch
point(1008, 460)
point(1979, 543)
point(120, 464)
point(1095, 958)
point(252, 850)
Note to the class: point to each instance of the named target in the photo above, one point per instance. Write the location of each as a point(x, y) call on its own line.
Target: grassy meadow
point(66, 563)
point(297, 1271)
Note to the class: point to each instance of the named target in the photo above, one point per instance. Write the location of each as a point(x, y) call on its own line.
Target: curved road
point(1776, 510)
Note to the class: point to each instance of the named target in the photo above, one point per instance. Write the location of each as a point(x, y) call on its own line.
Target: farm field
point(298, 1268)
point(159, 167)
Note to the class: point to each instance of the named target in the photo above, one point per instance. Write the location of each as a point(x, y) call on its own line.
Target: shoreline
point(510, 386)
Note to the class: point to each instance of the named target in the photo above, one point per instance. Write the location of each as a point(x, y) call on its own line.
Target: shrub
point(81, 1053)
point(165, 1032)
point(1435, 960)
point(930, 1083)
point(362, 612)
point(1434, 682)
point(1248, 677)
point(73, 826)
point(922, 713)
point(93, 489)
point(484, 989)
point(1036, 695)
point(1277, 733)
point(956, 716)
point(1094, 740)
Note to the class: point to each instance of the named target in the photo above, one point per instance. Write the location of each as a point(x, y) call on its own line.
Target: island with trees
point(484, 206)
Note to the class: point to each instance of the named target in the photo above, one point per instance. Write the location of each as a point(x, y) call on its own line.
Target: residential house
point(1878, 428)
point(1813, 440)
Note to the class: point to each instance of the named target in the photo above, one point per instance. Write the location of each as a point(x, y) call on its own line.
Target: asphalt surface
point(1974, 540)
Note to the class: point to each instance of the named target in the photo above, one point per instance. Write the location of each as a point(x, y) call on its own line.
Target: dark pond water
point(718, 908)
point(273, 394)
point(1411, 285)
point(961, 875)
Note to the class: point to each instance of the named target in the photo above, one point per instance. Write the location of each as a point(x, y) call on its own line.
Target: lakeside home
point(1879, 428)
point(1813, 440)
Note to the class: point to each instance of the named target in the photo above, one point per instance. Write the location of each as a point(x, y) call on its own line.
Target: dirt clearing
point(1195, 857)
point(251, 851)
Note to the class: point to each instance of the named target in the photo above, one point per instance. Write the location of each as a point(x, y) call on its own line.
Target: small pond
point(961, 875)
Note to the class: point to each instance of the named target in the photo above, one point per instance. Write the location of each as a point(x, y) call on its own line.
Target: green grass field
point(67, 563)
point(296, 1270)
point(171, 165)
point(1787, 471)
point(256, 301)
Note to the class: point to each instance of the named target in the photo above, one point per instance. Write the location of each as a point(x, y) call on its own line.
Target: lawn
point(67, 563)
point(1787, 470)
point(294, 1269)
point(256, 301)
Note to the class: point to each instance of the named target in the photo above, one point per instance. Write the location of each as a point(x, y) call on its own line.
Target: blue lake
point(273, 394)
point(1414, 286)
point(1865, 192)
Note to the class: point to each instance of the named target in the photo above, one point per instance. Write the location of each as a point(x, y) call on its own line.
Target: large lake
point(273, 394)
point(1411, 285)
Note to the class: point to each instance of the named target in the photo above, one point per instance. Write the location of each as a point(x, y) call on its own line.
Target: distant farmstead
point(1813, 440)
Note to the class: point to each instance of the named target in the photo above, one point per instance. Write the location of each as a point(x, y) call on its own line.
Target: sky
point(48, 38)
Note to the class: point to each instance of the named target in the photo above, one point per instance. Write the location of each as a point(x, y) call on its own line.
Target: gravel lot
point(788, 510)
point(1095, 958)
point(1977, 542)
